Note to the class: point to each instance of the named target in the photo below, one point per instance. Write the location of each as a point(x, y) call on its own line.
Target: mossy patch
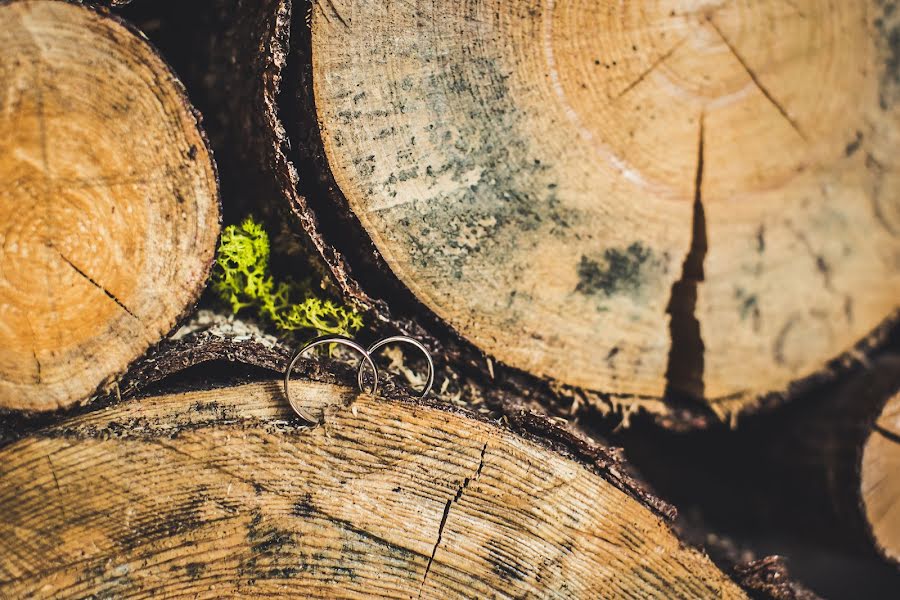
point(242, 280)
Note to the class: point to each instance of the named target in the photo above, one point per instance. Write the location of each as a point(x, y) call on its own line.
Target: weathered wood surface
point(212, 493)
point(641, 199)
point(108, 202)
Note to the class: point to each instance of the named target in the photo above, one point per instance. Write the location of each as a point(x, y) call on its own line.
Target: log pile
point(667, 218)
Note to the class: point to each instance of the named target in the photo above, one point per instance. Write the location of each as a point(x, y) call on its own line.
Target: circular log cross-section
point(109, 210)
point(880, 480)
point(628, 197)
point(221, 493)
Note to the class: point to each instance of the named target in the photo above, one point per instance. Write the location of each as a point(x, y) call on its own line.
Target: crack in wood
point(338, 14)
point(41, 119)
point(755, 78)
point(62, 503)
point(254, 485)
point(109, 294)
point(797, 10)
point(684, 372)
point(37, 362)
point(659, 61)
point(888, 434)
point(450, 502)
point(347, 524)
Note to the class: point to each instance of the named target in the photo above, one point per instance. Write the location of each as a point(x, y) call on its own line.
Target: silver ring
point(390, 340)
point(327, 339)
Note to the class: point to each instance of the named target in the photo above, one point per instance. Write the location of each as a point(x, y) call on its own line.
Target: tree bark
point(224, 492)
point(109, 202)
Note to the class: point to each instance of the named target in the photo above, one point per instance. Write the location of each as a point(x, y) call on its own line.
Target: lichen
point(243, 281)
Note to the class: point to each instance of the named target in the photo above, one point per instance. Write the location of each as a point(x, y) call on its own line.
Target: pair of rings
point(366, 360)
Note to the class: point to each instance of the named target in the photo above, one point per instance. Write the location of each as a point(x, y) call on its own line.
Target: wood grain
point(109, 209)
point(222, 492)
point(880, 480)
point(641, 199)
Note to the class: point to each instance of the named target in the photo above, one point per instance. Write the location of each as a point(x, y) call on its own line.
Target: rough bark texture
point(768, 577)
point(109, 202)
point(220, 492)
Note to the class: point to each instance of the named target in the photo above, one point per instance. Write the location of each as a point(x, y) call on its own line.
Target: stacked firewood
point(681, 217)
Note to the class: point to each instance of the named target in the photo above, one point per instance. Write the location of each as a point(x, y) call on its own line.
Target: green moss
point(242, 280)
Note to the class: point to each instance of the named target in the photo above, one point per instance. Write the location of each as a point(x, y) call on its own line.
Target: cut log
point(223, 492)
point(824, 473)
point(737, 285)
point(644, 200)
point(842, 459)
point(879, 478)
point(108, 199)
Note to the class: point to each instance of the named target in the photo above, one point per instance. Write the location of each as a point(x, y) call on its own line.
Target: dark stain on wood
point(854, 145)
point(194, 569)
point(620, 270)
point(481, 193)
point(362, 534)
point(824, 269)
point(267, 540)
point(112, 578)
point(273, 551)
point(780, 339)
point(748, 305)
point(611, 355)
point(877, 196)
point(304, 507)
point(183, 518)
point(888, 26)
point(503, 563)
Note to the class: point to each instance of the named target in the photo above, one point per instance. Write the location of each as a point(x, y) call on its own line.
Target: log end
point(880, 480)
point(109, 202)
point(224, 492)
